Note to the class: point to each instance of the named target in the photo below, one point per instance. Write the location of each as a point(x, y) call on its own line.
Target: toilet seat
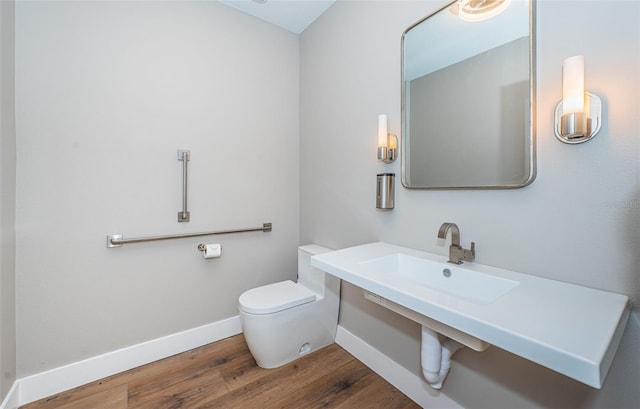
point(275, 297)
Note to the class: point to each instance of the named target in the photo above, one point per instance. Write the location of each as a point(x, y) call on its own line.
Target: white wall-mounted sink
point(571, 329)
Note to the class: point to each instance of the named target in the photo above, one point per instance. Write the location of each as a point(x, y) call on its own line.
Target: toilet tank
point(309, 276)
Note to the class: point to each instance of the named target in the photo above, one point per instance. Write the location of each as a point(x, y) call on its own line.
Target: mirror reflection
point(467, 103)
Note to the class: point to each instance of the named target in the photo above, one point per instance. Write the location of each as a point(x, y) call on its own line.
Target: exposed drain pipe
point(436, 357)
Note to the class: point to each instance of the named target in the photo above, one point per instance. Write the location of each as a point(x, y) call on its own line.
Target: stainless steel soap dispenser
point(385, 189)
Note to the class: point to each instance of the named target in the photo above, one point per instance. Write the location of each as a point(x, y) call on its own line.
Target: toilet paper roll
point(212, 250)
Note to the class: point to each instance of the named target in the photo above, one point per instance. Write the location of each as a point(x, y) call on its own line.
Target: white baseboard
point(41, 385)
point(408, 383)
point(12, 400)
point(38, 386)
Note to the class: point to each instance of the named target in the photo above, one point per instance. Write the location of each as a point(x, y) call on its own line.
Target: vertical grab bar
point(183, 155)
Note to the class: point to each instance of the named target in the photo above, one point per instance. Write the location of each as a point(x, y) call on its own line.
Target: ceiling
point(292, 15)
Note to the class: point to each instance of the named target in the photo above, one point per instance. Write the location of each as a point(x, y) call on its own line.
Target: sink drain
point(446, 272)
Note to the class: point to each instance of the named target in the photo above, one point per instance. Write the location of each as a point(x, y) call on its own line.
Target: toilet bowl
point(286, 320)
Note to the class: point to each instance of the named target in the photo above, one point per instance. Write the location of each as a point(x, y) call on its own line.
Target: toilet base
point(277, 339)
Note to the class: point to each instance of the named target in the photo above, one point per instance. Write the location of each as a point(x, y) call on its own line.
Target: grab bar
point(116, 240)
point(183, 156)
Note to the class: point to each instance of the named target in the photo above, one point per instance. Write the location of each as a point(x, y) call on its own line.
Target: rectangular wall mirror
point(468, 99)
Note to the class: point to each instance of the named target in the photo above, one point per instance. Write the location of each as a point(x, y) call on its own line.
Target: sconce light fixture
point(387, 142)
point(578, 116)
point(479, 10)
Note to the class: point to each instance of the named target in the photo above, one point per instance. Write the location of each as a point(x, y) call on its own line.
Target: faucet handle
point(469, 255)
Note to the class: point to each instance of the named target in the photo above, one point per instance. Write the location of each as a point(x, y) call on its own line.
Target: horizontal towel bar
point(116, 240)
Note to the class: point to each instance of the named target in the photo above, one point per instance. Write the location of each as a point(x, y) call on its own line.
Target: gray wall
point(7, 200)
point(577, 222)
point(106, 92)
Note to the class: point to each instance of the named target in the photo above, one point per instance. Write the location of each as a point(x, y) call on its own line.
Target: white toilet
point(286, 320)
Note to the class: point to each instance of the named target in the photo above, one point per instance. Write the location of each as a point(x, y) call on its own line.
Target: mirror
point(468, 98)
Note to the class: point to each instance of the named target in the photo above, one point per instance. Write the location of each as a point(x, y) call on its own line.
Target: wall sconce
point(479, 10)
point(387, 142)
point(578, 116)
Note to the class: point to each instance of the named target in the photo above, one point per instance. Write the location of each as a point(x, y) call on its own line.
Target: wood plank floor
point(224, 375)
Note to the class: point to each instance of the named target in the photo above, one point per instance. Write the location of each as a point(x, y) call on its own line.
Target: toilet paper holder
point(210, 250)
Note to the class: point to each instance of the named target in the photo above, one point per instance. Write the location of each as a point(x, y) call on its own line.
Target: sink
point(446, 277)
point(568, 328)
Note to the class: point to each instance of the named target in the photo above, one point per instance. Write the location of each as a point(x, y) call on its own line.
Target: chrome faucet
point(457, 254)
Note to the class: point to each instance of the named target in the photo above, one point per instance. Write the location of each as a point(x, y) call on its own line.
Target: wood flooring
point(224, 375)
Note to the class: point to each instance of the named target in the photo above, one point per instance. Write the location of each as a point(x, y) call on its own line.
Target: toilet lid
point(275, 297)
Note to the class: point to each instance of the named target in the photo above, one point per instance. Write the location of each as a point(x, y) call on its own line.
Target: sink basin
point(448, 278)
point(571, 329)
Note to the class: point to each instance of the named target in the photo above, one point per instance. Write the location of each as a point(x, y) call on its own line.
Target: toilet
point(284, 321)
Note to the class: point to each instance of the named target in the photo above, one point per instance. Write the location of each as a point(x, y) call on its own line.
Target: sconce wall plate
point(389, 153)
point(579, 127)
